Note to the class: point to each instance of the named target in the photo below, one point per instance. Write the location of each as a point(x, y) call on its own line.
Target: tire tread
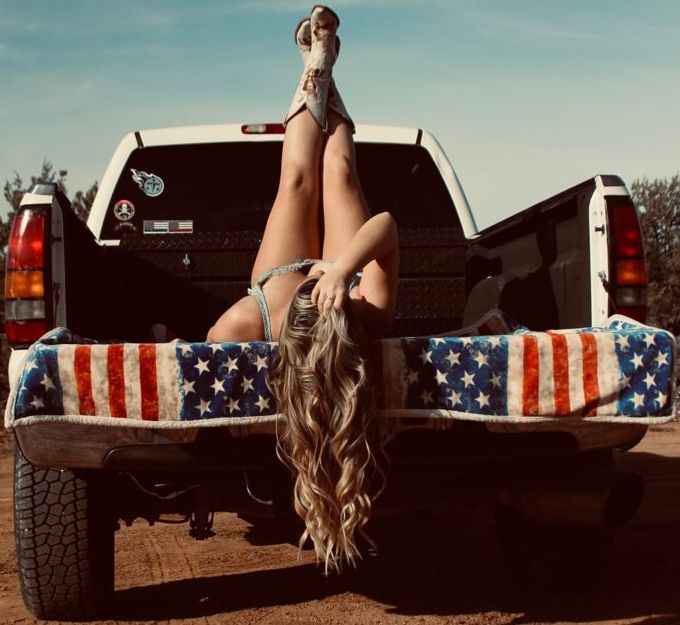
point(64, 542)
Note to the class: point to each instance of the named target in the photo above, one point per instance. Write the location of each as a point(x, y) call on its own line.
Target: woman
point(322, 320)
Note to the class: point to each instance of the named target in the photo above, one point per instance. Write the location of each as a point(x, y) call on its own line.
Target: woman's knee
point(338, 168)
point(297, 180)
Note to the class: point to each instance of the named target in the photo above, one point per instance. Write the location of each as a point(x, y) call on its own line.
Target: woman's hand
point(331, 289)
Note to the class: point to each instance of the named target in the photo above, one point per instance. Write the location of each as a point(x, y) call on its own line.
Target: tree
point(82, 201)
point(659, 204)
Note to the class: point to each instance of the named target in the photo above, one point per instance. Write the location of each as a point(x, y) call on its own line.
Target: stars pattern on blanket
point(225, 379)
point(533, 374)
point(456, 374)
point(39, 391)
point(645, 361)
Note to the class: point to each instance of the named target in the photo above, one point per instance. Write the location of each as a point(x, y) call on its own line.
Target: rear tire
point(64, 541)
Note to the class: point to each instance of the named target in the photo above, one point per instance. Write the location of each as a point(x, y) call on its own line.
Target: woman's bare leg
point(344, 206)
point(345, 211)
point(292, 227)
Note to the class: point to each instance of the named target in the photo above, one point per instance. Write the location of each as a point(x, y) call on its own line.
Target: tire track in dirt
point(142, 558)
point(181, 549)
point(161, 564)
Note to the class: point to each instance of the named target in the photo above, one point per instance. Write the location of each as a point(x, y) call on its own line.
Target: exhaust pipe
point(593, 500)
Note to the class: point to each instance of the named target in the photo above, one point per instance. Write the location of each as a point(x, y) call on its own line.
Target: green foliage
point(81, 202)
point(659, 204)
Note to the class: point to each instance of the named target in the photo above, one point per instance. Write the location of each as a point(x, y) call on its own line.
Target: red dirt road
point(448, 570)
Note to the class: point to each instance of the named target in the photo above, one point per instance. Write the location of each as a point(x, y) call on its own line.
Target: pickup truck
point(170, 243)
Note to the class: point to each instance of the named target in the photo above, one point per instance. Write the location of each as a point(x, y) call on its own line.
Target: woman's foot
point(323, 24)
point(325, 17)
point(312, 90)
point(303, 38)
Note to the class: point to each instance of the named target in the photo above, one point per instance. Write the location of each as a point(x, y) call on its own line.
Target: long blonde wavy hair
point(327, 435)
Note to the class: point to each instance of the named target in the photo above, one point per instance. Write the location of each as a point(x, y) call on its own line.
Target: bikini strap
point(257, 292)
point(277, 271)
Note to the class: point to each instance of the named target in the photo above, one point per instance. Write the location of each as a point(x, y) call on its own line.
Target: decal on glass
point(168, 226)
point(151, 184)
point(124, 210)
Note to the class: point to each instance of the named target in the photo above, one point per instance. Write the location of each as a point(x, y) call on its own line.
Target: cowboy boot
point(303, 40)
point(313, 87)
point(335, 102)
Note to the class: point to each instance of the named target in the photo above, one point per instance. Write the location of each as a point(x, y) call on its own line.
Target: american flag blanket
point(620, 373)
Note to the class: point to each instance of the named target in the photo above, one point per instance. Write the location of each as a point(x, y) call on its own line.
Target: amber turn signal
point(19, 284)
point(631, 271)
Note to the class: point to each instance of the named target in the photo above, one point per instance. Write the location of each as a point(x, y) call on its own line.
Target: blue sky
point(527, 97)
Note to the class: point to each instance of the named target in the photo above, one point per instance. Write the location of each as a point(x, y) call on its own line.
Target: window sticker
point(168, 226)
point(151, 184)
point(124, 210)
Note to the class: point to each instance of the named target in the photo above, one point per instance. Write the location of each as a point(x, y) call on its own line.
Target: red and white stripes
point(562, 373)
point(134, 381)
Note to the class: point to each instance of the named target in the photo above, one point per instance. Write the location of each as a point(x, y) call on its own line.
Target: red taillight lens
point(626, 226)
point(26, 318)
point(26, 241)
point(639, 313)
point(628, 274)
point(25, 331)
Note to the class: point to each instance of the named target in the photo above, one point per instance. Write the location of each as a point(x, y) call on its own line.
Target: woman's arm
point(376, 239)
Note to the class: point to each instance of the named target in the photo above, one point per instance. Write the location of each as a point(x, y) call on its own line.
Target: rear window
point(219, 187)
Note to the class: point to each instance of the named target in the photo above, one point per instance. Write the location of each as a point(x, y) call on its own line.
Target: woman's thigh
point(344, 205)
point(293, 224)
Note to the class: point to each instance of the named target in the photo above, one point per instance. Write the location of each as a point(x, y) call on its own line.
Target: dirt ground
point(163, 576)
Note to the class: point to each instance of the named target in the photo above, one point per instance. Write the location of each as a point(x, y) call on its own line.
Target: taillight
point(25, 277)
point(24, 332)
point(263, 129)
point(627, 270)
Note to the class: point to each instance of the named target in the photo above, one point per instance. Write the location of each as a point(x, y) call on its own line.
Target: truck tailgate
point(620, 373)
